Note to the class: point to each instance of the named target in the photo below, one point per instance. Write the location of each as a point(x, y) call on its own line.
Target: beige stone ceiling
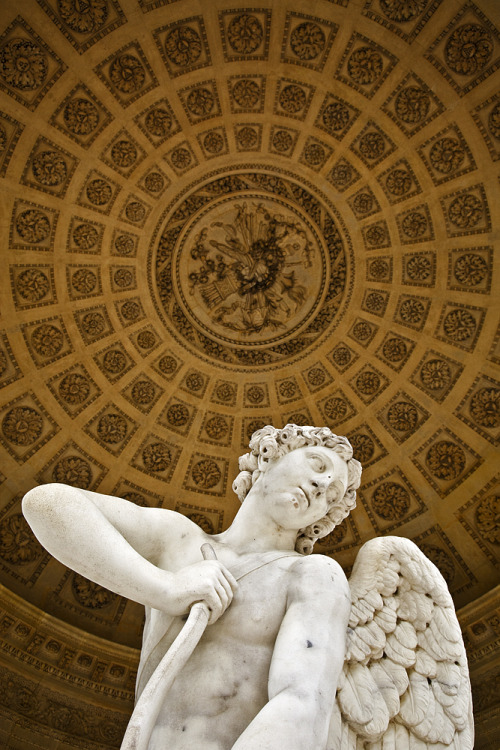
point(217, 217)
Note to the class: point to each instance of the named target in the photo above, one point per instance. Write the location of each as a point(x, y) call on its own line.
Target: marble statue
point(293, 655)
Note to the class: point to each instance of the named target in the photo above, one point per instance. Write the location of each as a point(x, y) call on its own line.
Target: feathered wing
point(405, 683)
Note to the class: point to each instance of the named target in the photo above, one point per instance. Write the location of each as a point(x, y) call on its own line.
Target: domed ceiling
point(218, 216)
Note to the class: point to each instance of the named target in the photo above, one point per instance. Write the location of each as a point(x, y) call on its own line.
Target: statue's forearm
point(77, 533)
point(290, 720)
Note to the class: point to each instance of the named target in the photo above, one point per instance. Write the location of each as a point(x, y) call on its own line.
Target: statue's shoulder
point(319, 573)
point(177, 536)
point(170, 524)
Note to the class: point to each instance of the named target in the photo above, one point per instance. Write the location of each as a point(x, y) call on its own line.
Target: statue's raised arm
point(120, 546)
point(285, 661)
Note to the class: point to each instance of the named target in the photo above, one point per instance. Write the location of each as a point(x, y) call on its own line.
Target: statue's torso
point(224, 684)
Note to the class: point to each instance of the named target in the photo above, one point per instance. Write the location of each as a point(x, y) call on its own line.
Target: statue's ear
point(340, 489)
point(336, 491)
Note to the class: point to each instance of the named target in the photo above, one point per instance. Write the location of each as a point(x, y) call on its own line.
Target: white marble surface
point(266, 669)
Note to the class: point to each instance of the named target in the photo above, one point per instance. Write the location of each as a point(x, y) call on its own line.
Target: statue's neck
point(253, 530)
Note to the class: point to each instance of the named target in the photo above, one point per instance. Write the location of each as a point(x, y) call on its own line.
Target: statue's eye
point(317, 462)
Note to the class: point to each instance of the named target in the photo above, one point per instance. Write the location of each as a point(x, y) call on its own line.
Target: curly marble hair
point(271, 443)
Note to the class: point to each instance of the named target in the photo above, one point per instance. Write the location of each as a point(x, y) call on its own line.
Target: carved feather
point(466, 738)
point(399, 653)
point(387, 687)
point(387, 616)
point(344, 740)
point(357, 650)
point(424, 728)
point(449, 677)
point(439, 590)
point(450, 649)
point(349, 739)
point(361, 612)
point(397, 673)
point(428, 641)
point(415, 701)
point(405, 634)
point(412, 572)
point(442, 730)
point(336, 729)
point(389, 738)
point(417, 744)
point(444, 699)
point(402, 737)
point(425, 664)
point(458, 711)
point(447, 625)
point(375, 728)
point(390, 582)
point(363, 639)
point(404, 584)
point(363, 704)
point(355, 695)
point(372, 635)
point(401, 644)
point(415, 607)
point(374, 600)
point(407, 605)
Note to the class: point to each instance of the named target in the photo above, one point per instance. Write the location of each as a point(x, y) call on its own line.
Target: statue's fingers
point(229, 578)
point(228, 590)
point(223, 596)
point(214, 604)
point(223, 601)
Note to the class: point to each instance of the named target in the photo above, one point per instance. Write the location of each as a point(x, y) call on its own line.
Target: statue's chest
point(259, 603)
point(258, 606)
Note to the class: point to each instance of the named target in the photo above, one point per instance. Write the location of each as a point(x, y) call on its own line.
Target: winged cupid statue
point(251, 642)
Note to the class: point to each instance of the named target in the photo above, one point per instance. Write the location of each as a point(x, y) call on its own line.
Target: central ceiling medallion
point(250, 268)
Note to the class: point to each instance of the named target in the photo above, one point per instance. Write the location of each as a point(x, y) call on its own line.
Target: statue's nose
point(321, 485)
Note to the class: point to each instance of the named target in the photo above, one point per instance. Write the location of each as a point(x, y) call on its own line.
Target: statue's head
point(269, 444)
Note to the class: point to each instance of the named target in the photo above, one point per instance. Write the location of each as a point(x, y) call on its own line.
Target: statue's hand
point(208, 581)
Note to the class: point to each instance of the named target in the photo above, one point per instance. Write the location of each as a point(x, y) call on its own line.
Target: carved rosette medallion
point(250, 269)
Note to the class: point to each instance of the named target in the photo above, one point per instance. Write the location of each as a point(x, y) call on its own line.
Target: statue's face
point(300, 486)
